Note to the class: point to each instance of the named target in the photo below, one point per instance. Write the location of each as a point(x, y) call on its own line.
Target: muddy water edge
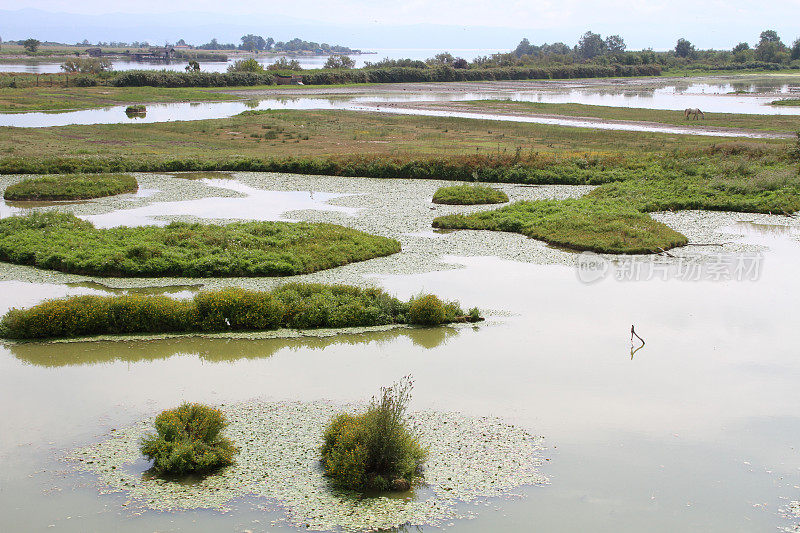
point(697, 432)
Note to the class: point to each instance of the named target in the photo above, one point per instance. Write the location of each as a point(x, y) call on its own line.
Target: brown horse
point(694, 112)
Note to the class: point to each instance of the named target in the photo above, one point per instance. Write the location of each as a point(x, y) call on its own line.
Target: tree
point(246, 65)
point(270, 41)
point(193, 66)
point(524, 48)
point(591, 45)
point(31, 45)
point(769, 36)
point(684, 48)
point(339, 62)
point(460, 62)
point(284, 64)
point(741, 47)
point(615, 44)
point(443, 58)
point(252, 42)
point(796, 49)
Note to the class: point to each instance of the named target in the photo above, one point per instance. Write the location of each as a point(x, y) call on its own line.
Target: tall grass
point(375, 450)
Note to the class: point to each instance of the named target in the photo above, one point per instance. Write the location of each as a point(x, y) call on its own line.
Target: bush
point(71, 187)
point(294, 305)
point(429, 310)
point(84, 81)
point(469, 195)
point(375, 451)
point(188, 441)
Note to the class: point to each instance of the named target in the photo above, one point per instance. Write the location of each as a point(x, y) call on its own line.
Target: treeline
point(256, 43)
point(139, 78)
point(768, 52)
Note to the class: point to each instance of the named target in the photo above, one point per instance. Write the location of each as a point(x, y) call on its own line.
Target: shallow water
point(710, 97)
point(698, 432)
point(250, 204)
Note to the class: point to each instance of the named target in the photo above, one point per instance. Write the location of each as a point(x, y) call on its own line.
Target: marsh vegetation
point(294, 305)
point(70, 187)
point(188, 440)
point(63, 242)
point(375, 450)
point(469, 195)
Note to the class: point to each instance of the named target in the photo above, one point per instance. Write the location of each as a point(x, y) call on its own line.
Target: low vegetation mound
point(763, 190)
point(469, 195)
point(294, 305)
point(576, 224)
point(188, 440)
point(63, 242)
point(375, 450)
point(71, 187)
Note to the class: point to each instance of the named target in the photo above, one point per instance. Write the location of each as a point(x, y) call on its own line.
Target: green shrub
point(71, 187)
point(60, 241)
point(429, 310)
point(469, 195)
point(374, 451)
point(188, 440)
point(294, 305)
point(84, 81)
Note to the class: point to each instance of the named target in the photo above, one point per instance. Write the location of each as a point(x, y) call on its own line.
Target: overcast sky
point(709, 23)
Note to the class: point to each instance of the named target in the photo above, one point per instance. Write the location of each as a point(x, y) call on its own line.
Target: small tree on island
point(375, 451)
point(31, 45)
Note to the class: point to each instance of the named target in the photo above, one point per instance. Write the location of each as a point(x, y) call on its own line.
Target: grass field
point(45, 98)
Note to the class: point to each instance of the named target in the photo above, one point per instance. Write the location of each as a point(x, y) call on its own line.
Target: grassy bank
point(468, 195)
point(71, 98)
point(576, 224)
point(247, 141)
point(776, 123)
point(71, 187)
point(787, 102)
point(299, 306)
point(63, 242)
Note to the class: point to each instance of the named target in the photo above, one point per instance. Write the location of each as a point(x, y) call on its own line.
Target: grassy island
point(63, 242)
point(574, 224)
point(294, 305)
point(469, 195)
point(71, 187)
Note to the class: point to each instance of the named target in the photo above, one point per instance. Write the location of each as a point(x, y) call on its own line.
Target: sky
point(715, 23)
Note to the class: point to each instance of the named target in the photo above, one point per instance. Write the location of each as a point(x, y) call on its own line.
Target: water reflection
point(211, 350)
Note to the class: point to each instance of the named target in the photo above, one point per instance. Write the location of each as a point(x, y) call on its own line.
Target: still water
point(697, 432)
point(677, 96)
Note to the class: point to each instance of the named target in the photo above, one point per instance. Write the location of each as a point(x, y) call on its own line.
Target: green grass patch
point(59, 241)
point(71, 187)
point(295, 305)
point(608, 227)
point(749, 189)
point(469, 195)
point(787, 102)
